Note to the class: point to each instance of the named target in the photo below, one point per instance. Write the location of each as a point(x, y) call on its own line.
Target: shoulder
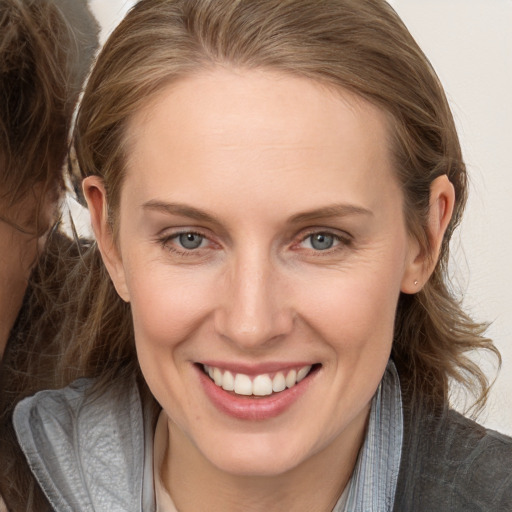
point(91, 443)
point(79, 403)
point(77, 410)
point(478, 460)
point(467, 440)
point(450, 462)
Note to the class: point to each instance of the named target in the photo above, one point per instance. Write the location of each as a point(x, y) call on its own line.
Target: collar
point(373, 483)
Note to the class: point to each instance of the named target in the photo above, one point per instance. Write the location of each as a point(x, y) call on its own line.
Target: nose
point(254, 309)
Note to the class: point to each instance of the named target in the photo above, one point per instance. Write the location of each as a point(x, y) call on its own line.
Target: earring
point(415, 283)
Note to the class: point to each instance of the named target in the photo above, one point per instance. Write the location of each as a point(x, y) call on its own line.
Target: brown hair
point(46, 48)
point(30, 363)
point(357, 45)
point(42, 66)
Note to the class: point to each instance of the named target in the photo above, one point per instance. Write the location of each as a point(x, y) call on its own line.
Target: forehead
point(256, 126)
point(225, 95)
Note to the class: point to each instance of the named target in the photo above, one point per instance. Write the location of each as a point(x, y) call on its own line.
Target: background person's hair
point(42, 67)
point(357, 45)
point(46, 48)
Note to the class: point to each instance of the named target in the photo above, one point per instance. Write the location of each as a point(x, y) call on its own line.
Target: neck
point(315, 485)
point(17, 254)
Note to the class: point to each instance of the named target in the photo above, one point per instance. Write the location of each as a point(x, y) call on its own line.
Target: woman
point(46, 47)
point(273, 186)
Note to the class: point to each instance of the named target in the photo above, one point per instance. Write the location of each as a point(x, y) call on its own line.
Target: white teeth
point(278, 383)
point(291, 378)
point(217, 376)
point(243, 384)
point(302, 373)
point(260, 385)
point(228, 381)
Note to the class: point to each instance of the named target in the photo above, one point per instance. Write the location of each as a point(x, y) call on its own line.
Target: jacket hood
point(88, 453)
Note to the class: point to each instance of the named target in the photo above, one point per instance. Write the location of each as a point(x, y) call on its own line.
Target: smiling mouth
point(264, 384)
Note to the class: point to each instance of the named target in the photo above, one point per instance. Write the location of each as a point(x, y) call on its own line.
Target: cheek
point(166, 305)
point(354, 308)
point(167, 310)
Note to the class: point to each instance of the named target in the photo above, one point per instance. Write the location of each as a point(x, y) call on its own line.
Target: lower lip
point(250, 407)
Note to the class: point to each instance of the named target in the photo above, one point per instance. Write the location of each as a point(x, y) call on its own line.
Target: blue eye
point(321, 241)
point(190, 240)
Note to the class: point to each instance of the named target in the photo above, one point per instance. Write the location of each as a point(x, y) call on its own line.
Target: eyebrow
point(183, 210)
point(334, 210)
point(180, 209)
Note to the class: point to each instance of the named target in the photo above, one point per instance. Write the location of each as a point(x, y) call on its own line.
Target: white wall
point(109, 13)
point(469, 42)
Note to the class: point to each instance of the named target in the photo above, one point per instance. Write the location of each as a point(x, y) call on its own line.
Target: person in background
point(265, 321)
point(46, 48)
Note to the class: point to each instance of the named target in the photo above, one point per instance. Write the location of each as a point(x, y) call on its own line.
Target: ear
point(421, 263)
point(95, 194)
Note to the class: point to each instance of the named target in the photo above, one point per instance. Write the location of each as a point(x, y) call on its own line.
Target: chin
point(257, 458)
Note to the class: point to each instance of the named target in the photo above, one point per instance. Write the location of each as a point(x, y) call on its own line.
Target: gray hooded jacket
point(89, 454)
point(96, 455)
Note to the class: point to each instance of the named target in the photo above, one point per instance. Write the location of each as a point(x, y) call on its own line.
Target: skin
point(257, 151)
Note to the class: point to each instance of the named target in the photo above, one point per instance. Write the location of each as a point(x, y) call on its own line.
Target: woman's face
point(261, 240)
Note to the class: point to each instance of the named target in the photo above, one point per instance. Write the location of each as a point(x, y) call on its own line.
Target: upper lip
point(256, 369)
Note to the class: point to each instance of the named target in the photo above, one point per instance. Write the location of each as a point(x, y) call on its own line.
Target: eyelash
point(166, 244)
point(342, 242)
